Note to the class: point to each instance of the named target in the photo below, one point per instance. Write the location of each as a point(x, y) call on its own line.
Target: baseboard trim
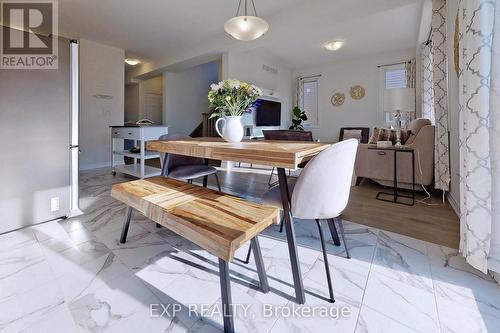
point(455, 205)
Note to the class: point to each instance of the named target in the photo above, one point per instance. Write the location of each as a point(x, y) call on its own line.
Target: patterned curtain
point(479, 114)
point(427, 76)
point(410, 73)
point(299, 93)
point(440, 87)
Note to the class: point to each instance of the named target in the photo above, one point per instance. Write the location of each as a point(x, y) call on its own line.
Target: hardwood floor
point(434, 221)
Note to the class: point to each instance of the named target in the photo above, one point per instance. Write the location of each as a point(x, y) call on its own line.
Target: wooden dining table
point(280, 154)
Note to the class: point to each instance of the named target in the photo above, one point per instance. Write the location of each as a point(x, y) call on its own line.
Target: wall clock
point(357, 92)
point(338, 99)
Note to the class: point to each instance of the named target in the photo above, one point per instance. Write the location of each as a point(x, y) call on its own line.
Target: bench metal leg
point(126, 224)
point(325, 258)
point(225, 286)
point(218, 183)
point(342, 233)
point(205, 181)
point(259, 263)
point(290, 235)
point(333, 231)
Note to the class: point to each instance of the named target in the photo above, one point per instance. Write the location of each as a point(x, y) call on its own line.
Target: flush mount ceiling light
point(334, 45)
point(246, 27)
point(132, 62)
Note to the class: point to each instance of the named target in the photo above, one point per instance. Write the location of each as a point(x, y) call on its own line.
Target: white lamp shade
point(402, 99)
point(246, 27)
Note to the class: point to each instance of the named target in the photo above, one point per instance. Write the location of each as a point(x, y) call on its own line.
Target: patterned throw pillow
point(386, 134)
point(374, 137)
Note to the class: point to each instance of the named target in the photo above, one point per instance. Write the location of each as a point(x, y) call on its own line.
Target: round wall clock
point(357, 92)
point(338, 99)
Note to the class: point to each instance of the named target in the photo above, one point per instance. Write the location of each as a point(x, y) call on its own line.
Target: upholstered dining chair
point(186, 167)
point(322, 192)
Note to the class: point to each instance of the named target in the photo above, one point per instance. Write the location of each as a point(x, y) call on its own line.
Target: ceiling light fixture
point(132, 62)
point(246, 27)
point(334, 45)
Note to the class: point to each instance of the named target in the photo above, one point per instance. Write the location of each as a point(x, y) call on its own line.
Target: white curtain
point(440, 76)
point(427, 77)
point(479, 114)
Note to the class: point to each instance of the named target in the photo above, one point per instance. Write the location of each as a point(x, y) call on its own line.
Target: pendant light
point(246, 27)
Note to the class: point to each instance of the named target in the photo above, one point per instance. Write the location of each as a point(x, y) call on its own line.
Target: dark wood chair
point(365, 133)
point(286, 135)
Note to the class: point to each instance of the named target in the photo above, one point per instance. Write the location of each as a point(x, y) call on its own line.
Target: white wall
point(248, 67)
point(132, 102)
point(453, 121)
point(185, 96)
point(101, 73)
point(339, 77)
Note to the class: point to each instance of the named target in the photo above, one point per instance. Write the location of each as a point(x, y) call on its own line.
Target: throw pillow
point(352, 134)
point(386, 134)
point(374, 136)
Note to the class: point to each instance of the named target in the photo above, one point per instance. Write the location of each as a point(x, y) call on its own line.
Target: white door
point(153, 108)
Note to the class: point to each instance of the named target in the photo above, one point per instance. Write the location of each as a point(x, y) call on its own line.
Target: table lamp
point(397, 101)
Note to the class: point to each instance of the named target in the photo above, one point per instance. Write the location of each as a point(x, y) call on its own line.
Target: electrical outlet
point(54, 204)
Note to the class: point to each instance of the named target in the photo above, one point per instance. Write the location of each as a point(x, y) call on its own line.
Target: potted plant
point(231, 99)
point(298, 117)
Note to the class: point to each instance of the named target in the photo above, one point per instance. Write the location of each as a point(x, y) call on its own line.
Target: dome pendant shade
point(246, 27)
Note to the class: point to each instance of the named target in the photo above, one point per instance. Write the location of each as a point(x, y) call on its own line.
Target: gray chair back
point(178, 160)
point(322, 189)
point(287, 135)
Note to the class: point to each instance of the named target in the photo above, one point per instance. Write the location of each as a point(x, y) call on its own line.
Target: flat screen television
point(268, 113)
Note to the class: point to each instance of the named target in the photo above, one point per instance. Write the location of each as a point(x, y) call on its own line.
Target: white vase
point(232, 130)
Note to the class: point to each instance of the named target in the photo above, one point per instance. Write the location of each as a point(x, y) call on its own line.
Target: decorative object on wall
point(338, 99)
point(357, 92)
point(479, 115)
point(440, 74)
point(246, 27)
point(298, 117)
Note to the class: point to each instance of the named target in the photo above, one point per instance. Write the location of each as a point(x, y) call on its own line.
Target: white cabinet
point(140, 135)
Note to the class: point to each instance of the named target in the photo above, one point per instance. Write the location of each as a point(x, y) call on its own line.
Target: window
point(392, 77)
point(309, 101)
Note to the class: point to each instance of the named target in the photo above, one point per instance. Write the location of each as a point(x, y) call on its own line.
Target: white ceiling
point(173, 29)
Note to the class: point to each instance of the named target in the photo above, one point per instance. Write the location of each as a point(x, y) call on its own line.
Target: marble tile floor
point(74, 276)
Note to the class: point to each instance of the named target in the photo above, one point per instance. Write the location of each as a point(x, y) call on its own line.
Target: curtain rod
point(309, 77)
point(397, 63)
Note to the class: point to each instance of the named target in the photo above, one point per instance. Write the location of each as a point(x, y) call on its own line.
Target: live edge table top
point(280, 154)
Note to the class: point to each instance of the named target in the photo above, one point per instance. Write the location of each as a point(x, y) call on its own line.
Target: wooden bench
point(217, 222)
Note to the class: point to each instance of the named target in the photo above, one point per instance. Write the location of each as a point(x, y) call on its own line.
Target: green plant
point(298, 117)
point(232, 98)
